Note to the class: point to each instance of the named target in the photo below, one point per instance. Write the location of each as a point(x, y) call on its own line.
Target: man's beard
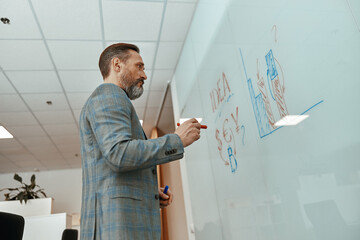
point(132, 90)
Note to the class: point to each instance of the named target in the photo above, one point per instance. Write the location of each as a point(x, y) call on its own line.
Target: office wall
point(64, 186)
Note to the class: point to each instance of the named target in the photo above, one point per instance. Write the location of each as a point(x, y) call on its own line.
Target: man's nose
point(143, 75)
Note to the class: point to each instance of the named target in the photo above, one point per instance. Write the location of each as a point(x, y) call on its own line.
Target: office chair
point(11, 226)
point(70, 234)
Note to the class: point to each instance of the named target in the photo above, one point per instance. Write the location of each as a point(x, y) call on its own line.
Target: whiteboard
point(245, 66)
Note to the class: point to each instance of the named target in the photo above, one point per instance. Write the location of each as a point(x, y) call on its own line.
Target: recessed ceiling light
point(4, 133)
point(185, 119)
point(291, 120)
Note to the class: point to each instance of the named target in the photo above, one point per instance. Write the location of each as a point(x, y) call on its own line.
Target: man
point(120, 195)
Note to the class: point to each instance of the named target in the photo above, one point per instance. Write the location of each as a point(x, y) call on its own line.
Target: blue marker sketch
point(258, 104)
point(271, 65)
point(243, 134)
point(271, 71)
point(230, 153)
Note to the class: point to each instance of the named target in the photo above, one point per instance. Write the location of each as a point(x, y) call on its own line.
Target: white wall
point(64, 186)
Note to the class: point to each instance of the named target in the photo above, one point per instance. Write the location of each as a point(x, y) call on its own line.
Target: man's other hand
point(189, 131)
point(165, 199)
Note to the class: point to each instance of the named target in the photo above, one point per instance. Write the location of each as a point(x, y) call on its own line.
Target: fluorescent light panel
point(291, 120)
point(185, 119)
point(4, 133)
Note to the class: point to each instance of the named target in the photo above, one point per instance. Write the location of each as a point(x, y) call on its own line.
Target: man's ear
point(117, 64)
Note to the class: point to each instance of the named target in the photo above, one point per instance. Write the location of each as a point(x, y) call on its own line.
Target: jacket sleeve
point(109, 115)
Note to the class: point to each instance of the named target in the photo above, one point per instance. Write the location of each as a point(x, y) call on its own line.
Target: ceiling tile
point(13, 151)
point(77, 100)
point(5, 86)
point(35, 141)
point(37, 102)
point(41, 150)
point(132, 21)
point(160, 79)
point(65, 165)
point(81, 81)
point(54, 117)
point(21, 157)
point(35, 169)
point(177, 21)
point(68, 19)
point(45, 157)
point(147, 52)
point(76, 164)
point(24, 55)
point(70, 151)
point(155, 99)
point(66, 139)
point(61, 164)
point(148, 80)
point(75, 55)
point(150, 119)
point(17, 119)
point(61, 129)
point(9, 143)
point(35, 81)
point(7, 167)
point(11, 103)
point(27, 131)
point(77, 114)
point(141, 101)
point(22, 22)
point(151, 114)
point(29, 164)
point(140, 112)
point(168, 55)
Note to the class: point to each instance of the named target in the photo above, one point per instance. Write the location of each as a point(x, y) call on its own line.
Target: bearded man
point(120, 195)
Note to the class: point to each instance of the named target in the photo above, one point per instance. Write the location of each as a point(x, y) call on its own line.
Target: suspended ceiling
point(49, 52)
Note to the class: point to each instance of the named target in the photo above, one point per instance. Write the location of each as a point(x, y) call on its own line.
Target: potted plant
point(25, 191)
point(36, 201)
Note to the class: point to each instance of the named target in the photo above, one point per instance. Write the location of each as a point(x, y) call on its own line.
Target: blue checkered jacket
point(119, 191)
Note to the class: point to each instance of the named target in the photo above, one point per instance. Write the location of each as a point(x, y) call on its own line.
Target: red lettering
point(236, 120)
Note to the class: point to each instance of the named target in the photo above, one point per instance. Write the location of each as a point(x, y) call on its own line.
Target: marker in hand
point(202, 126)
point(165, 191)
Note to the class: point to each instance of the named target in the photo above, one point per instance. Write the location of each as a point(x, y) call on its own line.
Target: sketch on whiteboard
point(232, 160)
point(227, 127)
point(270, 93)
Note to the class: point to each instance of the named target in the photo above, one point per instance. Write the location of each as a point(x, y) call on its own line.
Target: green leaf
point(43, 193)
point(17, 178)
point(33, 181)
point(21, 196)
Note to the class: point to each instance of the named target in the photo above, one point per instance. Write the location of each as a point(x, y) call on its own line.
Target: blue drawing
point(233, 163)
point(271, 71)
point(258, 104)
point(262, 119)
point(271, 65)
point(243, 134)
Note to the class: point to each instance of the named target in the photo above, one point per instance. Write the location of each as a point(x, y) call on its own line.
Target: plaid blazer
point(120, 191)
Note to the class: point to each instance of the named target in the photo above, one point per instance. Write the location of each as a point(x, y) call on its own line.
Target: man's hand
point(189, 131)
point(165, 199)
